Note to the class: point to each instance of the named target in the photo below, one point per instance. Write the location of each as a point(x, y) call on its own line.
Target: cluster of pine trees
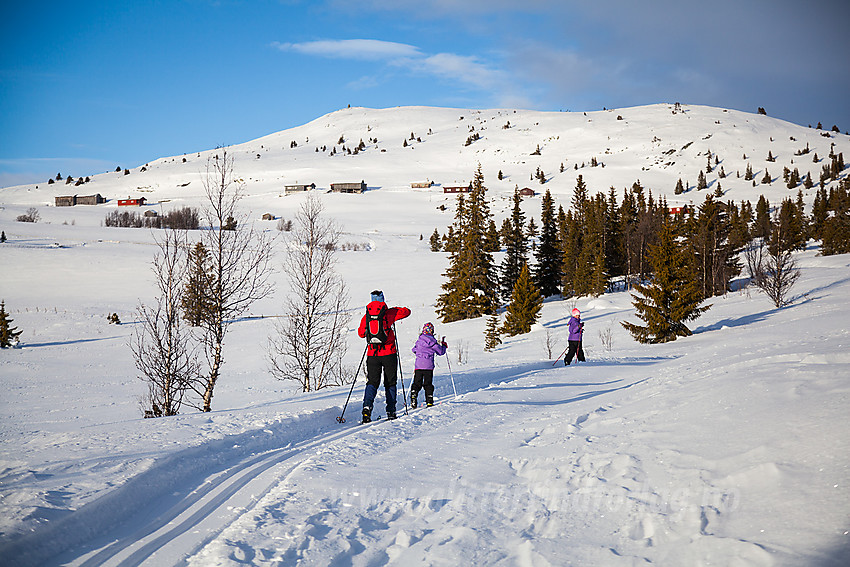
point(601, 242)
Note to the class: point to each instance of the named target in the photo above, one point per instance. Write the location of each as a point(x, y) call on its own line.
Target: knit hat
point(378, 295)
point(576, 312)
point(428, 329)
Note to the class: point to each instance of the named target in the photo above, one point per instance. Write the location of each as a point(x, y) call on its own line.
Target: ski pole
point(400, 373)
point(341, 419)
point(562, 354)
point(449, 362)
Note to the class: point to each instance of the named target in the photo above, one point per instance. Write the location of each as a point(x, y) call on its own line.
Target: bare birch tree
point(772, 270)
point(310, 341)
point(240, 266)
point(162, 345)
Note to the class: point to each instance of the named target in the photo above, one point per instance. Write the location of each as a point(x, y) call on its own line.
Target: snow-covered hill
point(656, 145)
point(730, 447)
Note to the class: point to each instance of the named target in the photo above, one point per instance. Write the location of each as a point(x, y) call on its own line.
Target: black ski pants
point(374, 365)
point(423, 379)
point(575, 350)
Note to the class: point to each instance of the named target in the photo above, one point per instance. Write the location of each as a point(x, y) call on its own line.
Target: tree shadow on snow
point(505, 377)
point(735, 322)
point(73, 342)
point(540, 403)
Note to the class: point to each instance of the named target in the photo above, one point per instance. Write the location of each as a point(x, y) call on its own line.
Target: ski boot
point(413, 401)
point(391, 415)
point(367, 415)
point(429, 401)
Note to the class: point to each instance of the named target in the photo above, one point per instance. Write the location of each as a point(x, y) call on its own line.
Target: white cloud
point(364, 49)
point(465, 69)
point(462, 69)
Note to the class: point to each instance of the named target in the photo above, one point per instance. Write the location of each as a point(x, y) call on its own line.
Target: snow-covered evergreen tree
point(547, 276)
point(673, 297)
point(524, 308)
point(8, 334)
point(471, 289)
point(491, 333)
point(516, 248)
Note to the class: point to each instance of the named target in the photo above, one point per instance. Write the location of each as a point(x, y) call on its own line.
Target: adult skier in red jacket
point(377, 328)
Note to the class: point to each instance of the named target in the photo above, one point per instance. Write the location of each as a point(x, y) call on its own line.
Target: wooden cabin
point(131, 202)
point(71, 200)
point(348, 187)
point(458, 188)
point(297, 188)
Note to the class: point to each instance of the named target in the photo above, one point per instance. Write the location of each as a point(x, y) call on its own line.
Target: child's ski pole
point(562, 354)
point(448, 360)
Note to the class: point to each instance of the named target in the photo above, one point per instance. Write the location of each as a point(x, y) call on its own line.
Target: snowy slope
point(726, 448)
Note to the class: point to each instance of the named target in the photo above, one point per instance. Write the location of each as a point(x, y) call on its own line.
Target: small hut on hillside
point(348, 187)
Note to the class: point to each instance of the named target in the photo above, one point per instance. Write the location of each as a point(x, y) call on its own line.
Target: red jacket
point(393, 315)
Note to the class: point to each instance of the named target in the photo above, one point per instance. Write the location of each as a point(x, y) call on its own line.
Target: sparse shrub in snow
point(772, 270)
point(30, 216)
point(606, 337)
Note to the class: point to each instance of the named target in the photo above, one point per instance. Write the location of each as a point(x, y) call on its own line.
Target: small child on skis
point(423, 374)
point(574, 339)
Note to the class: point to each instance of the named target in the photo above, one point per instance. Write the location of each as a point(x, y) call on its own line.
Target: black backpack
point(376, 327)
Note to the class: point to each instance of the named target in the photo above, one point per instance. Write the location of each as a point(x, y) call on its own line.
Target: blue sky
point(88, 86)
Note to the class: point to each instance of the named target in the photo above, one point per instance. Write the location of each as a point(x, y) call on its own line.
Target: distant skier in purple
point(574, 339)
point(423, 374)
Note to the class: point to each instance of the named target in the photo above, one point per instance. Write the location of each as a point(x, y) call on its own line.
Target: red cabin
point(128, 202)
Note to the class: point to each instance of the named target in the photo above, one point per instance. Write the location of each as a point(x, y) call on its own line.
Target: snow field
point(726, 448)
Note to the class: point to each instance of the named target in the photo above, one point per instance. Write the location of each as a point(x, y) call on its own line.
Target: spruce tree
point(613, 237)
point(471, 287)
point(531, 231)
point(671, 299)
point(714, 258)
point(516, 248)
point(491, 333)
point(435, 241)
point(820, 212)
point(8, 334)
point(836, 228)
point(761, 229)
point(197, 302)
point(524, 308)
point(491, 238)
point(547, 276)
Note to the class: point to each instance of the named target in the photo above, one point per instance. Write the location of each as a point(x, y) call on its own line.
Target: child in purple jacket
point(574, 339)
point(423, 375)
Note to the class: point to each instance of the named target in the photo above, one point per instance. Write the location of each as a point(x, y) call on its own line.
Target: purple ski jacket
point(425, 348)
point(576, 329)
